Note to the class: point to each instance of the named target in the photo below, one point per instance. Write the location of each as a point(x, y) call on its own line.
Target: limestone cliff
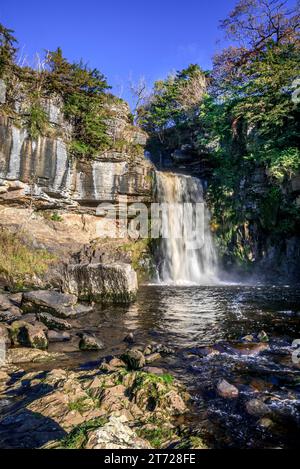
point(49, 173)
point(50, 196)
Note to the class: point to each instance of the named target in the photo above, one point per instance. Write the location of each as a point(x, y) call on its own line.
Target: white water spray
point(183, 263)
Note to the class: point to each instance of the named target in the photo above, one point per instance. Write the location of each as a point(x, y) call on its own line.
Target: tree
point(174, 101)
point(7, 48)
point(60, 76)
point(139, 94)
point(253, 27)
point(67, 78)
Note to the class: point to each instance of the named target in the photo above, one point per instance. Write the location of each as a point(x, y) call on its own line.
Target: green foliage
point(81, 88)
point(7, 49)
point(68, 78)
point(88, 115)
point(157, 435)
point(173, 101)
point(80, 405)
point(283, 163)
point(56, 217)
point(78, 437)
point(143, 378)
point(36, 121)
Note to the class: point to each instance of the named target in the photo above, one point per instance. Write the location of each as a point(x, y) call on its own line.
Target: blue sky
point(124, 39)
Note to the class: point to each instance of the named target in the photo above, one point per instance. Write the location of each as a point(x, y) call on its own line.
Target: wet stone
point(227, 390)
point(54, 336)
point(90, 342)
point(134, 359)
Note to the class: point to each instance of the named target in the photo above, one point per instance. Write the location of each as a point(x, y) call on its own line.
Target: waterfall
point(185, 259)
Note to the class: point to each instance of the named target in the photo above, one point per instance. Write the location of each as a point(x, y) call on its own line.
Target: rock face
point(2, 92)
point(64, 192)
point(65, 181)
point(101, 282)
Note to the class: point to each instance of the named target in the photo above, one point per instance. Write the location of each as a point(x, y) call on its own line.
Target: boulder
point(61, 305)
point(5, 304)
point(134, 359)
point(174, 404)
point(227, 390)
point(266, 423)
point(4, 335)
point(158, 348)
point(28, 335)
point(116, 363)
point(10, 315)
point(16, 299)
point(31, 318)
point(108, 283)
point(115, 434)
point(54, 336)
point(54, 323)
point(152, 357)
point(129, 338)
point(90, 342)
point(257, 408)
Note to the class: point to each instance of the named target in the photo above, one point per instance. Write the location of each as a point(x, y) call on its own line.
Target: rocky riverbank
point(123, 403)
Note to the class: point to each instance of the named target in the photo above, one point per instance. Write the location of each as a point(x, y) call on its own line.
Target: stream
point(205, 327)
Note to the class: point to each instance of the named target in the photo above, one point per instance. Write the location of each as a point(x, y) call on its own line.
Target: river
point(205, 327)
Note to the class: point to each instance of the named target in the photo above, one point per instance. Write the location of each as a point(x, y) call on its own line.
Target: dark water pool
point(191, 318)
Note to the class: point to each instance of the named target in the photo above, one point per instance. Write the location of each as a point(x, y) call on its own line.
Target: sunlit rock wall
point(49, 174)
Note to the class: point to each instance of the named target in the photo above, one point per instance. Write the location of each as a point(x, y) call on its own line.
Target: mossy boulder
point(28, 335)
point(134, 359)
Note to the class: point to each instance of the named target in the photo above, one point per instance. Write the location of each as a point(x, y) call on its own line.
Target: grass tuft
point(19, 263)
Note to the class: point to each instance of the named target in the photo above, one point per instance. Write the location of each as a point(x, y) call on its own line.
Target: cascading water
point(185, 261)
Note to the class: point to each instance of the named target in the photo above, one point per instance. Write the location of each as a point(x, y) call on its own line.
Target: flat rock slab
point(54, 323)
point(28, 355)
point(62, 336)
point(61, 305)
